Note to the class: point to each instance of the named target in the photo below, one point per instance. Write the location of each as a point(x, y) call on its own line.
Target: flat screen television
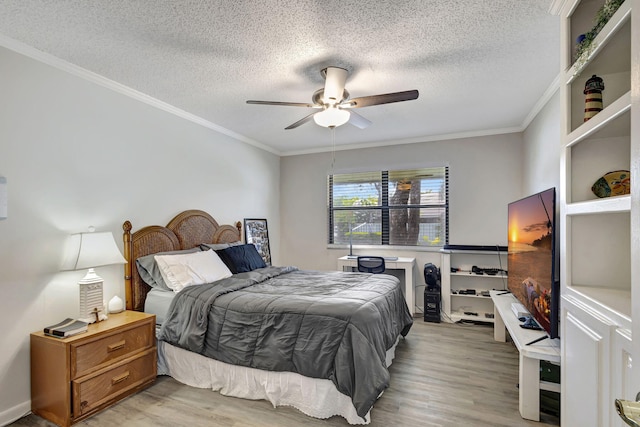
point(531, 258)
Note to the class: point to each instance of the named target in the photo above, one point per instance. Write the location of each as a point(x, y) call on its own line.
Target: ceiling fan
point(334, 102)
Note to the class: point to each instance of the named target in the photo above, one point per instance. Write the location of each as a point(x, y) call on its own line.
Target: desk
point(405, 264)
point(530, 355)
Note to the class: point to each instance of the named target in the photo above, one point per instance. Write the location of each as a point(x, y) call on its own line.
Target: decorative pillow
point(218, 246)
point(149, 271)
point(180, 271)
point(241, 258)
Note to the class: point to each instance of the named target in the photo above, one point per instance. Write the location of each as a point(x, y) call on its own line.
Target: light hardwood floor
point(443, 375)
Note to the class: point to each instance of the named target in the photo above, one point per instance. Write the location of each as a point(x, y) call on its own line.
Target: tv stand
point(533, 347)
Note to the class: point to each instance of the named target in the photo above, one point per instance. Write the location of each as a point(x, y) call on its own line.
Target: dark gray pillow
point(241, 258)
point(149, 271)
point(218, 246)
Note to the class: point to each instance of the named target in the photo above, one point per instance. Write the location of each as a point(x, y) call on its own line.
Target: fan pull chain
point(333, 147)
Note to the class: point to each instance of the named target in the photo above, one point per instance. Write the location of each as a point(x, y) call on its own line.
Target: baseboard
point(13, 414)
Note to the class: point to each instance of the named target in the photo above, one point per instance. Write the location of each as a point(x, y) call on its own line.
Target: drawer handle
point(117, 346)
point(119, 378)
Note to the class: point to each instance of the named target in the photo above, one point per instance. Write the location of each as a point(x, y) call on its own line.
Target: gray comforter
point(331, 325)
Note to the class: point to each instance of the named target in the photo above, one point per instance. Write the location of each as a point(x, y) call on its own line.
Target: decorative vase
point(116, 305)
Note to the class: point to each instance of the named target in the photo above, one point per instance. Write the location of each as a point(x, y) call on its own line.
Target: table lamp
point(90, 250)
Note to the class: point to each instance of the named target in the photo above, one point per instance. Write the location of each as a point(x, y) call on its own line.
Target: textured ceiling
point(480, 66)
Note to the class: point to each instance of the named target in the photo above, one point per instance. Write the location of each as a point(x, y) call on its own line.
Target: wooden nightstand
point(75, 377)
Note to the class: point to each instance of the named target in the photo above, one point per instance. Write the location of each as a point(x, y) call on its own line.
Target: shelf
point(549, 386)
point(612, 63)
point(456, 316)
point(617, 204)
point(485, 276)
point(602, 119)
point(607, 148)
point(471, 296)
point(598, 62)
point(454, 305)
point(471, 252)
point(599, 248)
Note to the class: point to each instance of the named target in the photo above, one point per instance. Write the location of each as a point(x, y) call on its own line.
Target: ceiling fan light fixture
point(331, 117)
point(336, 103)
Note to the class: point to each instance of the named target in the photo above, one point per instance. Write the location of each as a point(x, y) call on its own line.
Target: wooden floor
point(443, 375)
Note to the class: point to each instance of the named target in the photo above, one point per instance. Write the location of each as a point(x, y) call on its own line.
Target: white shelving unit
point(454, 304)
point(599, 238)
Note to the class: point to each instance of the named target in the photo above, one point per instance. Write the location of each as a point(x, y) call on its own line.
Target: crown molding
point(417, 140)
point(546, 96)
point(85, 74)
point(556, 6)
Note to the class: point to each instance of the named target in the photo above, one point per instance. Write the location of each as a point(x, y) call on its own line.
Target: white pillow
point(180, 271)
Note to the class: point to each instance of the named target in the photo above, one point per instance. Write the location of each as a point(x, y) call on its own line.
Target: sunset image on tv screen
point(530, 253)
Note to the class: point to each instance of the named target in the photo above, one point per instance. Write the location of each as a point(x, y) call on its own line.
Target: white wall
point(76, 154)
point(541, 155)
point(541, 165)
point(485, 175)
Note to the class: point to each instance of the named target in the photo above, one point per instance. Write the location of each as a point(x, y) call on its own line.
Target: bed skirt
point(314, 397)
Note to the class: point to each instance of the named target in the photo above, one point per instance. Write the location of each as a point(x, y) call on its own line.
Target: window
point(404, 208)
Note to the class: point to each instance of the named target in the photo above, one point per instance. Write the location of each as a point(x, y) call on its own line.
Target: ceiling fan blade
point(358, 121)
point(335, 79)
point(386, 98)
point(286, 104)
point(300, 122)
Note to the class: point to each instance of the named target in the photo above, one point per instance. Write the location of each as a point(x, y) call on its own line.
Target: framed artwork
point(257, 234)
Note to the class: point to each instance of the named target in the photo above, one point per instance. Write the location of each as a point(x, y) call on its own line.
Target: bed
point(318, 341)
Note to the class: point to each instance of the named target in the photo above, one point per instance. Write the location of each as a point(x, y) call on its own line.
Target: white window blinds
point(406, 207)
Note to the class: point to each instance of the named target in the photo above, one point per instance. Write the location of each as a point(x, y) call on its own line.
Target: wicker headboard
point(187, 230)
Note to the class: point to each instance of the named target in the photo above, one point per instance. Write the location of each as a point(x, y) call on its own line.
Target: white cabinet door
point(586, 366)
point(622, 384)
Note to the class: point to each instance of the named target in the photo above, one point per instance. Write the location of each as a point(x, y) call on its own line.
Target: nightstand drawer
point(92, 392)
point(93, 355)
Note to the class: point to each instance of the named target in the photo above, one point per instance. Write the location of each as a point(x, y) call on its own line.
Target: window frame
point(385, 208)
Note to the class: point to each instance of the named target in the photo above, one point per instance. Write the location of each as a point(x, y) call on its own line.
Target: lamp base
point(95, 317)
point(91, 298)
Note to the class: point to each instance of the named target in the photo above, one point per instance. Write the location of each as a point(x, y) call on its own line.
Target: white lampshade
point(331, 117)
point(89, 250)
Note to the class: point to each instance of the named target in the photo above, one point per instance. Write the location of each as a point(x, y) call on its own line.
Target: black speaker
point(432, 305)
point(431, 277)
